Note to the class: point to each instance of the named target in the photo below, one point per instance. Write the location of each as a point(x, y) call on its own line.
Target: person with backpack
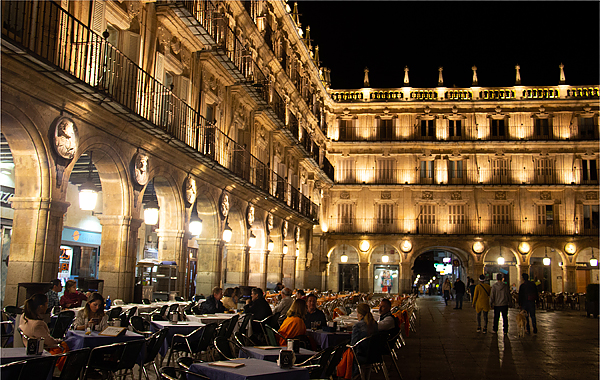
point(481, 302)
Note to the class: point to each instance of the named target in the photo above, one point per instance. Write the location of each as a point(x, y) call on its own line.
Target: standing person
point(446, 287)
point(284, 305)
point(459, 288)
point(52, 294)
point(499, 299)
point(213, 303)
point(72, 298)
point(528, 295)
point(471, 288)
point(467, 292)
point(481, 302)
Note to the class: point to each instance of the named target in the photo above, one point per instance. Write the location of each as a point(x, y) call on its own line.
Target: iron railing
point(462, 133)
point(53, 36)
point(417, 176)
point(458, 225)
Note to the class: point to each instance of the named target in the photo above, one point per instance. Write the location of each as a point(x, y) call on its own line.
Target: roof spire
point(295, 15)
point(307, 40)
point(562, 79)
point(406, 82)
point(440, 78)
point(317, 55)
point(474, 68)
point(366, 81)
point(518, 78)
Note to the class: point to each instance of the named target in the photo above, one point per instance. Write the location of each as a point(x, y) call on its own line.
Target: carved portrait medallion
point(269, 223)
point(190, 190)
point(224, 205)
point(140, 169)
point(250, 215)
point(284, 229)
point(66, 139)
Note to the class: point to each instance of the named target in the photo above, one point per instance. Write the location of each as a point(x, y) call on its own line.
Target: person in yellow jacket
point(481, 302)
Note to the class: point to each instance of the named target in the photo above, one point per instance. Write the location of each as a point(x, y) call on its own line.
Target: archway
point(343, 269)
point(208, 242)
point(385, 269)
point(504, 260)
point(431, 266)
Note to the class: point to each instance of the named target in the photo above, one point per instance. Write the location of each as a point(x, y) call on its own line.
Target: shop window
point(385, 279)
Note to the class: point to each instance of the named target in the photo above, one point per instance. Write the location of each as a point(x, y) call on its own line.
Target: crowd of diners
point(298, 311)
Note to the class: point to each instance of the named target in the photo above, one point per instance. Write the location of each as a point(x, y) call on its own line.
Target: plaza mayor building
point(163, 147)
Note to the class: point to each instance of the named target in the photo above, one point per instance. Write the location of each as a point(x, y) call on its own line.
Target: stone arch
point(235, 249)
point(167, 186)
point(490, 266)
point(376, 252)
point(334, 256)
point(465, 257)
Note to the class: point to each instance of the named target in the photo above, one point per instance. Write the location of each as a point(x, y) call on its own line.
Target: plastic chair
point(172, 373)
point(153, 345)
point(140, 326)
point(63, 322)
point(114, 357)
point(74, 365)
point(373, 346)
point(223, 347)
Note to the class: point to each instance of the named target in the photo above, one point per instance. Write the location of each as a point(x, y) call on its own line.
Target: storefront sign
point(81, 237)
point(5, 194)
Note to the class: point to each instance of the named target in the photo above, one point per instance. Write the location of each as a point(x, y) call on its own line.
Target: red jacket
point(72, 299)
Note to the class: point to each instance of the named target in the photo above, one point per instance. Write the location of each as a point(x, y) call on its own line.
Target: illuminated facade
point(220, 112)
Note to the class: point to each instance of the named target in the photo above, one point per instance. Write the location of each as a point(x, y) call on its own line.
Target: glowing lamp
point(546, 260)
point(285, 249)
point(227, 233)
point(151, 213)
point(593, 260)
point(364, 246)
point(252, 240)
point(344, 258)
point(270, 245)
point(385, 258)
point(88, 196)
point(570, 248)
point(524, 247)
point(195, 225)
point(500, 259)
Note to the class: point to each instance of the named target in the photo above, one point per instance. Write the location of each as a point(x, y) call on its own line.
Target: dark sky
point(385, 36)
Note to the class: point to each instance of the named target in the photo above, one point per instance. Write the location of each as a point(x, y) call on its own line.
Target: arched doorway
point(385, 264)
point(434, 265)
point(500, 259)
point(343, 269)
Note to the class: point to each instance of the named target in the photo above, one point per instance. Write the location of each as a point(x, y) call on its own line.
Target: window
point(346, 131)
point(500, 215)
point(346, 213)
point(385, 171)
point(587, 127)
point(427, 218)
point(541, 128)
point(590, 217)
point(544, 171)
point(455, 128)
point(456, 218)
point(427, 129)
point(427, 169)
point(384, 132)
point(498, 129)
point(499, 171)
point(455, 170)
point(589, 171)
point(545, 215)
point(385, 213)
point(345, 171)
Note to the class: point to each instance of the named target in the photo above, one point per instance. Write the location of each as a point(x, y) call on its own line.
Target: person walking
point(459, 288)
point(499, 299)
point(528, 295)
point(481, 302)
point(446, 289)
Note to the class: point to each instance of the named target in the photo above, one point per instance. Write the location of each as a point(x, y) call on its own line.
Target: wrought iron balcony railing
point(462, 133)
point(416, 176)
point(458, 225)
point(50, 35)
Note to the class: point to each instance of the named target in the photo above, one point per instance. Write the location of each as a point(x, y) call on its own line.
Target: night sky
point(385, 36)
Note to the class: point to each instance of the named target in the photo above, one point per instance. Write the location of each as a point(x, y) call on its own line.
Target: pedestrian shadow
point(500, 360)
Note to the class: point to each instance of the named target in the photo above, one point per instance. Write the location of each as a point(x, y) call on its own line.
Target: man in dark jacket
point(213, 303)
point(459, 288)
point(528, 295)
point(258, 306)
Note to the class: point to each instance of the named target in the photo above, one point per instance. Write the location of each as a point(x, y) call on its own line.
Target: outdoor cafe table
point(210, 318)
point(9, 355)
point(182, 328)
point(272, 354)
point(252, 369)
point(77, 339)
point(328, 339)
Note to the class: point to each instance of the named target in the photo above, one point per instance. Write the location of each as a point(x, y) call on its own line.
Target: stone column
point(172, 247)
point(35, 244)
point(569, 278)
point(118, 252)
point(477, 270)
point(207, 276)
point(405, 283)
point(245, 266)
point(274, 267)
point(363, 277)
point(523, 268)
point(300, 272)
point(235, 259)
point(289, 270)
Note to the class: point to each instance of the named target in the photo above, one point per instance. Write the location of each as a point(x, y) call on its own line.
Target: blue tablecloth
point(328, 339)
point(273, 354)
point(252, 369)
point(76, 339)
point(183, 328)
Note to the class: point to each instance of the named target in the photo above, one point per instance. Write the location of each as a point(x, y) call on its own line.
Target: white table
point(210, 318)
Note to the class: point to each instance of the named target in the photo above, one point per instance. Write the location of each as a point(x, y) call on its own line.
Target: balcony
point(416, 133)
point(449, 226)
point(466, 177)
point(43, 36)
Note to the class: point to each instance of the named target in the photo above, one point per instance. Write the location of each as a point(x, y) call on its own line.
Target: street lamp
point(227, 232)
point(252, 240)
point(500, 258)
point(285, 249)
point(546, 259)
point(270, 245)
point(344, 257)
point(88, 196)
point(195, 225)
point(593, 260)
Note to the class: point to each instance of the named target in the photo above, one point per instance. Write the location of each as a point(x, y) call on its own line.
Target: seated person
point(92, 315)
point(213, 303)
point(72, 298)
point(52, 294)
point(312, 313)
point(300, 294)
point(366, 326)
point(293, 325)
point(229, 300)
point(284, 305)
point(387, 322)
point(257, 305)
point(32, 322)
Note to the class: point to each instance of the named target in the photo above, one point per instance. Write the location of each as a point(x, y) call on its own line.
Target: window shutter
point(185, 88)
point(131, 46)
point(159, 68)
point(98, 22)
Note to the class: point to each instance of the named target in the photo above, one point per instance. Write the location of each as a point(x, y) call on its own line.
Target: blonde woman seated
point(92, 314)
point(230, 299)
point(293, 325)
